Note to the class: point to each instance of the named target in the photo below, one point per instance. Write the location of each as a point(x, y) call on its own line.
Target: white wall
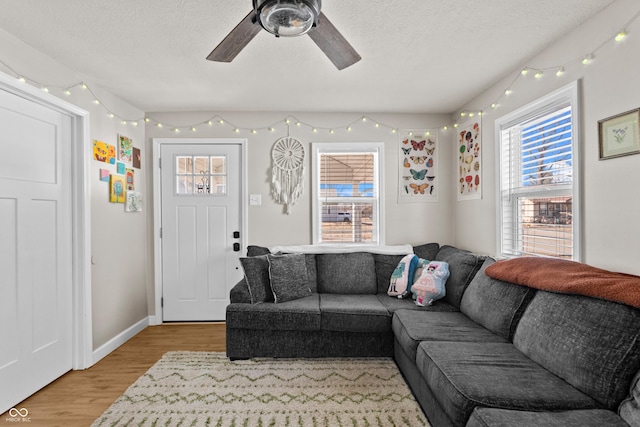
point(120, 273)
point(268, 224)
point(609, 85)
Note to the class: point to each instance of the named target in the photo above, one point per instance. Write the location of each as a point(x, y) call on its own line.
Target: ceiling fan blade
point(236, 40)
point(333, 44)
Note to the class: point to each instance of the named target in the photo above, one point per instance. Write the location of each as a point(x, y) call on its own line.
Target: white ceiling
point(418, 56)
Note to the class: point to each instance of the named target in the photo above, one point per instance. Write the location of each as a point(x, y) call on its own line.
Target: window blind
point(537, 187)
point(348, 193)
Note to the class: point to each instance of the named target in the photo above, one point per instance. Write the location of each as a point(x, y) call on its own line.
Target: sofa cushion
point(240, 292)
point(312, 271)
point(394, 304)
point(496, 305)
point(467, 374)
point(353, 313)
point(346, 273)
point(297, 315)
point(429, 282)
point(253, 250)
point(427, 251)
point(490, 417)
point(385, 265)
point(411, 327)
point(288, 277)
point(256, 274)
point(463, 266)
point(592, 344)
point(402, 277)
point(629, 409)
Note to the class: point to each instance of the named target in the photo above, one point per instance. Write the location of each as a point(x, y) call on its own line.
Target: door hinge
point(160, 163)
point(161, 301)
point(161, 232)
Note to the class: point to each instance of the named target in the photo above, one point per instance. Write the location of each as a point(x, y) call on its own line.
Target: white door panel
point(35, 248)
point(201, 210)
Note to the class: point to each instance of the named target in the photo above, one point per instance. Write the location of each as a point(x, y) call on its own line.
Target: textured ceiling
point(420, 56)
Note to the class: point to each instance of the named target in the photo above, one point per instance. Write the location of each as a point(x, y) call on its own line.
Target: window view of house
point(348, 195)
point(537, 185)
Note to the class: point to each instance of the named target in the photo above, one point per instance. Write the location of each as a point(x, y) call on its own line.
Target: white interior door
point(201, 226)
point(35, 247)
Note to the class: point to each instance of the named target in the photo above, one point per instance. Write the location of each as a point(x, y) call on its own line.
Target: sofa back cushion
point(592, 344)
point(427, 251)
point(463, 266)
point(494, 304)
point(630, 407)
point(346, 273)
point(385, 266)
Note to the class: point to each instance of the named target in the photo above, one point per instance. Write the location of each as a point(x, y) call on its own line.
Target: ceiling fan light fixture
point(287, 18)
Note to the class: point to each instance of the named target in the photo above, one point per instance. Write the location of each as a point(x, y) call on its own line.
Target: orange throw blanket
point(569, 277)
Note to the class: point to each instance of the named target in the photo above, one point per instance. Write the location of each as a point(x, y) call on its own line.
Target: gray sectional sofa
point(490, 353)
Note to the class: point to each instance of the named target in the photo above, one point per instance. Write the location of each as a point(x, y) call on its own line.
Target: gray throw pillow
point(288, 277)
point(256, 273)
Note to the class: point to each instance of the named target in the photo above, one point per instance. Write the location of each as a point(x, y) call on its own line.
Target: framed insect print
point(619, 135)
point(418, 166)
point(468, 151)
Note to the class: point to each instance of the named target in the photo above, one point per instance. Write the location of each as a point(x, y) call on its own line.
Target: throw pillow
point(288, 277)
point(256, 273)
point(430, 285)
point(402, 277)
point(253, 250)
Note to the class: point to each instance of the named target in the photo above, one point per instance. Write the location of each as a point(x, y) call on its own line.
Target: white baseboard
point(118, 340)
point(155, 320)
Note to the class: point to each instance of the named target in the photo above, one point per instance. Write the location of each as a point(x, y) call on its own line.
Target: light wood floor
point(79, 397)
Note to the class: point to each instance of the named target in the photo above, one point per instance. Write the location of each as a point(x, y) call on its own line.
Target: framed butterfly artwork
point(468, 152)
point(418, 166)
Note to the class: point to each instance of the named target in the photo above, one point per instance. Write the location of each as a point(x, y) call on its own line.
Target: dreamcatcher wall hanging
point(287, 170)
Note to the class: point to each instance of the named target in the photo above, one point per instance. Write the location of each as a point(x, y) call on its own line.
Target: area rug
point(206, 389)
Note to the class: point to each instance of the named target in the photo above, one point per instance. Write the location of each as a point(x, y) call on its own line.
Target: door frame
point(157, 143)
point(82, 332)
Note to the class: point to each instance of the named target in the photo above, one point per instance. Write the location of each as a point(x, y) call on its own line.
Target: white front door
point(201, 229)
point(35, 247)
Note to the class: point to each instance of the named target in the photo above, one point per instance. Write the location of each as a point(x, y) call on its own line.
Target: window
point(201, 175)
point(538, 185)
point(347, 193)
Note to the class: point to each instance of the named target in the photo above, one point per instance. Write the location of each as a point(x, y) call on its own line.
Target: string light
point(525, 71)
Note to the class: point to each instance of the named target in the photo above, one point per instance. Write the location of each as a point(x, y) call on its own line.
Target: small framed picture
point(619, 135)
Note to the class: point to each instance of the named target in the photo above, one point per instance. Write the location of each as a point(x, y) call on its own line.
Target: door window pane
point(201, 175)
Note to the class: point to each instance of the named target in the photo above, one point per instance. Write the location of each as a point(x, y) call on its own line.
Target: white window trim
point(318, 148)
point(569, 92)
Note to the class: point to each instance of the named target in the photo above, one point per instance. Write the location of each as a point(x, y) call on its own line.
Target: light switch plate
point(255, 199)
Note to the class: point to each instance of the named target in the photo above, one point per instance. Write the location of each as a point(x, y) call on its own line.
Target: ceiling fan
point(288, 18)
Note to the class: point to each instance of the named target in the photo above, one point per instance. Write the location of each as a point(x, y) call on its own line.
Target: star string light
point(523, 73)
